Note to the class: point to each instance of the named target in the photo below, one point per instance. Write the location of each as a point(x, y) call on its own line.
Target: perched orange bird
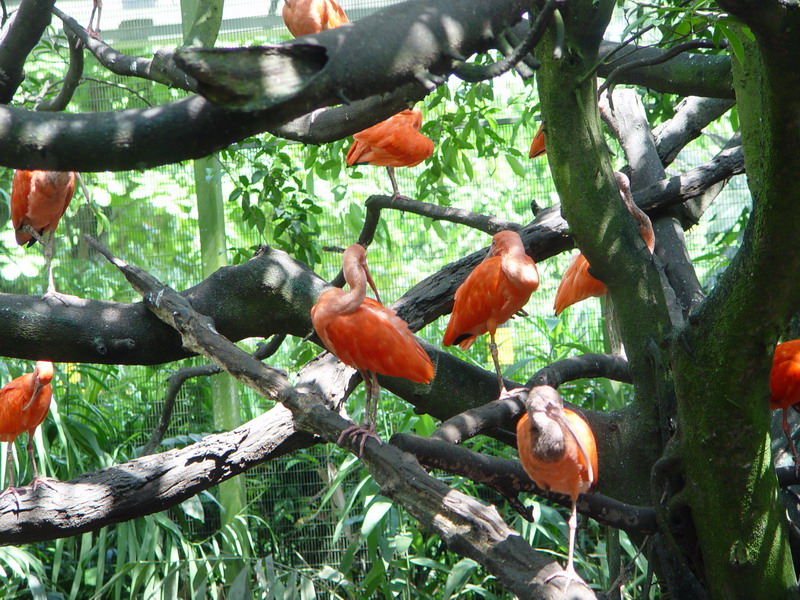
point(38, 201)
point(537, 145)
point(367, 336)
point(558, 451)
point(395, 142)
point(305, 17)
point(784, 384)
point(495, 291)
point(577, 283)
point(24, 403)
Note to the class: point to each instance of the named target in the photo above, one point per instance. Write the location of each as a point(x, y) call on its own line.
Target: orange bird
point(38, 201)
point(24, 403)
point(558, 451)
point(495, 291)
point(305, 17)
point(369, 337)
point(577, 284)
point(537, 145)
point(784, 384)
point(395, 142)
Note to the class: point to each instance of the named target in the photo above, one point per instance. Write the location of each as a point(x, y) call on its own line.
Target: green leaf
point(458, 576)
point(375, 514)
point(516, 166)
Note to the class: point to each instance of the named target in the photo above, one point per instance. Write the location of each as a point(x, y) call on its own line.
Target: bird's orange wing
point(334, 15)
point(374, 338)
point(394, 142)
point(12, 399)
point(585, 437)
point(480, 304)
point(784, 379)
point(577, 284)
point(537, 145)
point(69, 191)
point(20, 190)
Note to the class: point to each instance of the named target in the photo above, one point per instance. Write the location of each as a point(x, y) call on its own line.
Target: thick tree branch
point(410, 44)
point(148, 484)
point(22, 35)
point(691, 116)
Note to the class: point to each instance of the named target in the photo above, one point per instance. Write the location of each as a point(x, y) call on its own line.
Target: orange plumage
point(784, 383)
point(558, 451)
point(306, 17)
point(39, 199)
point(537, 145)
point(577, 284)
point(495, 291)
point(368, 336)
point(570, 474)
point(395, 142)
point(24, 403)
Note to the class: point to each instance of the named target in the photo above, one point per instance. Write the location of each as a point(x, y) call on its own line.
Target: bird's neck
point(547, 438)
point(349, 301)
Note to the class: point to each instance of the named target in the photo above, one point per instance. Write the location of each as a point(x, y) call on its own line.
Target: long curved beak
point(37, 388)
point(372, 284)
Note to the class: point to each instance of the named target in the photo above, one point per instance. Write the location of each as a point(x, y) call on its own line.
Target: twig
point(121, 86)
point(179, 377)
point(475, 73)
point(125, 64)
point(609, 83)
point(376, 203)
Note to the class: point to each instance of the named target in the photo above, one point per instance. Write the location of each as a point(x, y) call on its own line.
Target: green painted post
point(201, 20)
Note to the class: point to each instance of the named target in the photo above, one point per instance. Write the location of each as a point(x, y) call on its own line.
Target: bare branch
point(691, 115)
point(71, 79)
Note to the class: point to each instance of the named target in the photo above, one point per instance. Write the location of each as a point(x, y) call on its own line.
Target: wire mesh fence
point(150, 219)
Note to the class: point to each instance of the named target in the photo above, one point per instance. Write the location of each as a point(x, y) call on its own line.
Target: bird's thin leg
point(48, 258)
point(10, 468)
point(496, 359)
point(366, 430)
point(569, 573)
point(395, 189)
point(37, 479)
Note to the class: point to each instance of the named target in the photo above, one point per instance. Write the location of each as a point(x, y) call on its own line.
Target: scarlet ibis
point(395, 142)
point(496, 289)
point(367, 336)
point(305, 17)
point(558, 451)
point(784, 384)
point(577, 283)
point(537, 145)
point(24, 403)
point(38, 201)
